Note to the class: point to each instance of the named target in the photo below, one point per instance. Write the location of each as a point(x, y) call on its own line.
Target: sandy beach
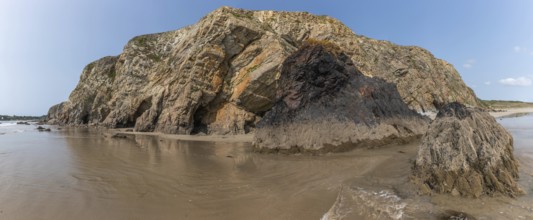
point(83, 173)
point(212, 138)
point(511, 111)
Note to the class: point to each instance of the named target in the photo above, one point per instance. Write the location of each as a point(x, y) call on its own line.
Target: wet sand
point(211, 138)
point(79, 173)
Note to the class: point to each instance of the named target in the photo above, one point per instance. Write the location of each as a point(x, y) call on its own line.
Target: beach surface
point(212, 138)
point(511, 111)
point(85, 173)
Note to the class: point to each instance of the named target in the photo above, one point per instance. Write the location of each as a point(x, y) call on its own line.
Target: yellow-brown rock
point(220, 75)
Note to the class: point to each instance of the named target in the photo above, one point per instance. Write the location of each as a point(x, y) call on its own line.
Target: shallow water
point(81, 174)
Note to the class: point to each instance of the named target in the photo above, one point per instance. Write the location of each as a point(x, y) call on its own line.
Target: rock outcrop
point(466, 152)
point(325, 104)
point(219, 75)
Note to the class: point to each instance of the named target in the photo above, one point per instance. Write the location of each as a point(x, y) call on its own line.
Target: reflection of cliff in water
point(145, 177)
point(163, 177)
point(150, 176)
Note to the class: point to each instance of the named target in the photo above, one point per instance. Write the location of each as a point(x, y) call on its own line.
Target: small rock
point(40, 128)
point(23, 123)
point(455, 215)
point(118, 136)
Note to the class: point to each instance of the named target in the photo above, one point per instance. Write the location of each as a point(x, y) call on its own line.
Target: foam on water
point(356, 202)
point(7, 124)
point(11, 127)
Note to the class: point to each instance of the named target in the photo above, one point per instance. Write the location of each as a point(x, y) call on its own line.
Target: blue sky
point(44, 44)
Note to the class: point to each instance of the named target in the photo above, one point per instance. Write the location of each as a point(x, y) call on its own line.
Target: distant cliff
point(18, 117)
point(221, 74)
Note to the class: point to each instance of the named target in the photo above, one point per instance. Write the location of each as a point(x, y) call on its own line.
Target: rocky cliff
point(325, 104)
point(220, 74)
point(466, 152)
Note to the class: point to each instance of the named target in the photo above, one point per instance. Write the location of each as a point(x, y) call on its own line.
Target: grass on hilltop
point(503, 104)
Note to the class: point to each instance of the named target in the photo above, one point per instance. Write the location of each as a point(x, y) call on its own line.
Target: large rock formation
point(326, 104)
point(219, 75)
point(466, 152)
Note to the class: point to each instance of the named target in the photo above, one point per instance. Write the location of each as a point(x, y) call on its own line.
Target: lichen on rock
point(466, 152)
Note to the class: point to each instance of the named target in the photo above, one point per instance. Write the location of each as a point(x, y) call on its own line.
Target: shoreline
point(506, 112)
point(234, 138)
point(230, 138)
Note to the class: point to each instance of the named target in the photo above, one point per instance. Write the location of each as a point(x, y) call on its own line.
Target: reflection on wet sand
point(145, 176)
point(82, 174)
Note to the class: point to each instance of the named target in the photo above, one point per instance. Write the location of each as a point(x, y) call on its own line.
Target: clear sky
point(44, 44)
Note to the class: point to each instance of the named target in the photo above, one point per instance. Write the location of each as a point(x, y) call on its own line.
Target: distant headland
point(19, 117)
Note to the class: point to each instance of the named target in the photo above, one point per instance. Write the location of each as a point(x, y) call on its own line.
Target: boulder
point(466, 152)
point(40, 128)
point(324, 103)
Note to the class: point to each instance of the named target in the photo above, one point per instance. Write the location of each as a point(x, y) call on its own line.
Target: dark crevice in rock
point(199, 126)
point(130, 123)
point(144, 106)
point(85, 118)
point(149, 113)
point(249, 126)
point(132, 119)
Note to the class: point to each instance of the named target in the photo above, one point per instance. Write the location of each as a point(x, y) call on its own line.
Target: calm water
point(81, 174)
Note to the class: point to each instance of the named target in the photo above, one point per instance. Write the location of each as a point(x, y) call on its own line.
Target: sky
point(45, 44)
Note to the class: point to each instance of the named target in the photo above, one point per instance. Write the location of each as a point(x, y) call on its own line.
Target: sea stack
point(466, 152)
point(220, 75)
point(324, 104)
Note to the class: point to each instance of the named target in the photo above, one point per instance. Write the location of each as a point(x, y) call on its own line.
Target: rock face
point(466, 152)
point(219, 75)
point(326, 104)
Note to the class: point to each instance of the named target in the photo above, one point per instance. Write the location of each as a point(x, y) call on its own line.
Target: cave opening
point(85, 119)
point(249, 126)
point(143, 107)
point(199, 126)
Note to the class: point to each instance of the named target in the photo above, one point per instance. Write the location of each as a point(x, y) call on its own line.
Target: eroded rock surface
point(326, 104)
point(466, 152)
point(220, 75)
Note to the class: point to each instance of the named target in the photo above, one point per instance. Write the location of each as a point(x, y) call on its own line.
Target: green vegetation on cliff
point(507, 104)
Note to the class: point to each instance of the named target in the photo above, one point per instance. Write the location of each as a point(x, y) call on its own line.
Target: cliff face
point(326, 104)
point(220, 75)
